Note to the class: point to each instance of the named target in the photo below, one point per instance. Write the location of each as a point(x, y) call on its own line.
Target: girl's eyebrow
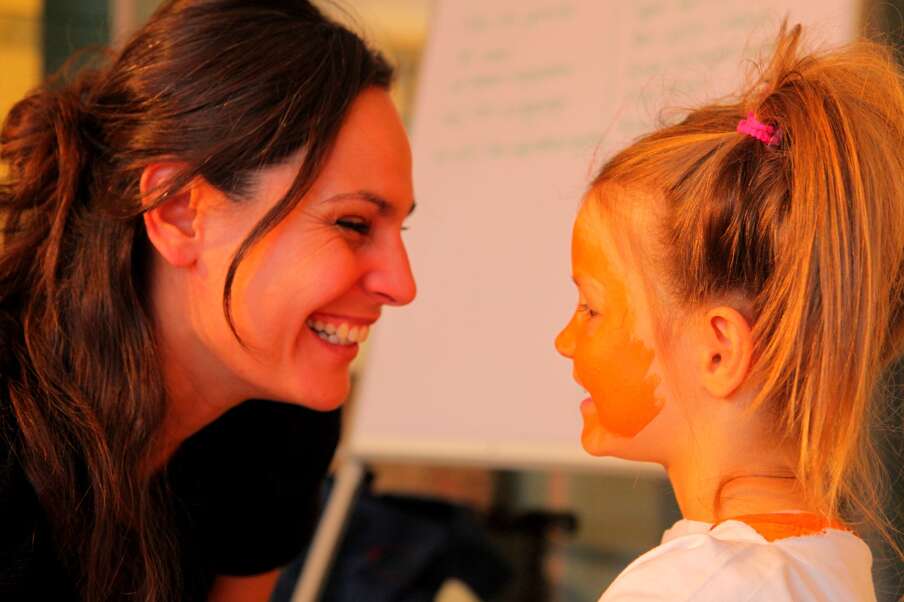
point(386, 207)
point(580, 281)
point(587, 283)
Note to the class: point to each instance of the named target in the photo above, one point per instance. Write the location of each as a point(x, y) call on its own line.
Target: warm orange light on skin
point(610, 361)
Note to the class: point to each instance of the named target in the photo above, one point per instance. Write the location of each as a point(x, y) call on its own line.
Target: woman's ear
point(172, 225)
point(727, 351)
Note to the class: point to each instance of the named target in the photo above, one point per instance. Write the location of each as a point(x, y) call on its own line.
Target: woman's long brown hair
point(223, 86)
point(811, 232)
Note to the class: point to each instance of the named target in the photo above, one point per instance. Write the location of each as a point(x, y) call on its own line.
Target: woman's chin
point(331, 399)
point(327, 396)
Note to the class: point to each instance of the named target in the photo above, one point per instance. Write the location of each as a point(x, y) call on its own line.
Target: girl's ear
point(726, 352)
point(172, 226)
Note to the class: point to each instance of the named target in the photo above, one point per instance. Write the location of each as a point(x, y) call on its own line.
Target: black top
point(246, 493)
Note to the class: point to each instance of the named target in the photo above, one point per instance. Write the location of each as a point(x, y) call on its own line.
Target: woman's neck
point(189, 408)
point(199, 389)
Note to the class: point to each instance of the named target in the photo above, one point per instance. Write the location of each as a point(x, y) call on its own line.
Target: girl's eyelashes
point(584, 308)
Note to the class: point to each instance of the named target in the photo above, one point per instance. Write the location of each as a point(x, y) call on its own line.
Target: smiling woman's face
point(307, 293)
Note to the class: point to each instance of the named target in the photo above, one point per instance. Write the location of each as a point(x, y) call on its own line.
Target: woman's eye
point(584, 308)
point(355, 224)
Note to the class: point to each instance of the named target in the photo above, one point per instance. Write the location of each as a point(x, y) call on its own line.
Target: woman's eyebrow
point(386, 207)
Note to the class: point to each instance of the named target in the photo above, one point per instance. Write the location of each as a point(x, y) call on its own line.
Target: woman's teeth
point(339, 334)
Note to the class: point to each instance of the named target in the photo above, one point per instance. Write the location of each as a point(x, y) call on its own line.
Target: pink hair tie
point(759, 130)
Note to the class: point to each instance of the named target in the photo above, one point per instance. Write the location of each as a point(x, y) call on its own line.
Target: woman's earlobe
point(727, 351)
point(171, 224)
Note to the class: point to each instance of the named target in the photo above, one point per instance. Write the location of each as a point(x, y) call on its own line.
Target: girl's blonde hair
point(810, 231)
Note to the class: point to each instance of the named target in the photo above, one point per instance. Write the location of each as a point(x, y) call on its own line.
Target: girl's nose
point(565, 340)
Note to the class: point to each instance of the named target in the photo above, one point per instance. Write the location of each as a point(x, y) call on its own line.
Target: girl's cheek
point(615, 368)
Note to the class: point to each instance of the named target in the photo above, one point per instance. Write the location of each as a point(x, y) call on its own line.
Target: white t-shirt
point(733, 563)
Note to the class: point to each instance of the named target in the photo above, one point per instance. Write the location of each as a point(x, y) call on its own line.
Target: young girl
point(741, 293)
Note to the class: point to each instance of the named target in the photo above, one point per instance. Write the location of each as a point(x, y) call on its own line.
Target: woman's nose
point(565, 340)
point(391, 278)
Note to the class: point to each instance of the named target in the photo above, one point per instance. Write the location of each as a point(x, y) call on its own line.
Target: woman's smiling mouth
point(339, 333)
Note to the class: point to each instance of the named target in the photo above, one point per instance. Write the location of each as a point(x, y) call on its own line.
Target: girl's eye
point(584, 308)
point(355, 224)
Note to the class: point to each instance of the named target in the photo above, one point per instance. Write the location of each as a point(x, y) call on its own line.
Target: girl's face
point(610, 340)
point(308, 293)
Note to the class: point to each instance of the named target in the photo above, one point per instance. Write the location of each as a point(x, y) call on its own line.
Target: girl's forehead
point(594, 262)
point(606, 244)
point(592, 239)
point(623, 222)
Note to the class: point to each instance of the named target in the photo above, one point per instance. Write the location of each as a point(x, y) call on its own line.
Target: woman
point(213, 217)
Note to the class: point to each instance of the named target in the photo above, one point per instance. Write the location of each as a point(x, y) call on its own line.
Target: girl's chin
point(597, 440)
point(593, 440)
point(594, 437)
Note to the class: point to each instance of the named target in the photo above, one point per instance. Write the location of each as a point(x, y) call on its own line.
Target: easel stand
point(534, 527)
point(330, 531)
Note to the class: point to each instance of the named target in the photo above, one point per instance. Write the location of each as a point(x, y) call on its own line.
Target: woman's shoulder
point(18, 501)
point(17, 496)
point(28, 563)
point(265, 438)
point(731, 561)
point(249, 484)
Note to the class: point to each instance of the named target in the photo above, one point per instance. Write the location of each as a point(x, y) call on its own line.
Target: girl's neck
point(712, 494)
